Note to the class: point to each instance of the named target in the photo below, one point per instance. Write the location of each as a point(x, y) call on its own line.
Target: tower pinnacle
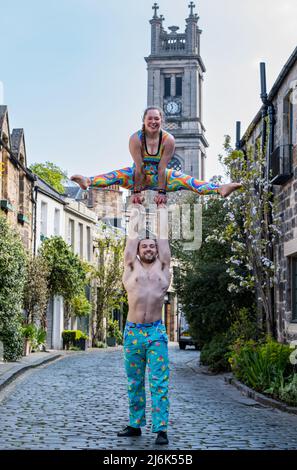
point(156, 8)
point(191, 6)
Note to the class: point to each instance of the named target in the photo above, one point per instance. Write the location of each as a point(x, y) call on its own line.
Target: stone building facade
point(107, 203)
point(16, 181)
point(282, 167)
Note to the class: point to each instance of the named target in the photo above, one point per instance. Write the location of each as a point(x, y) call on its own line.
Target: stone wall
point(16, 187)
point(286, 198)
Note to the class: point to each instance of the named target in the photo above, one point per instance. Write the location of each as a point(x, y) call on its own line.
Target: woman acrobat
point(152, 149)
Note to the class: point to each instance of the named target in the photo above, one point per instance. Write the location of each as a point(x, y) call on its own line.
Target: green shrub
point(12, 280)
point(80, 305)
point(39, 340)
point(288, 392)
point(12, 338)
point(74, 348)
point(72, 337)
point(261, 365)
point(99, 344)
point(215, 354)
point(29, 331)
point(113, 330)
point(244, 327)
point(119, 337)
point(36, 336)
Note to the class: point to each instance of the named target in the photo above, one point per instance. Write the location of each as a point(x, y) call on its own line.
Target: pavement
point(9, 371)
point(79, 401)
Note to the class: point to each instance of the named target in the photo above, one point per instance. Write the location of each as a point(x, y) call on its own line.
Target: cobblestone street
point(80, 402)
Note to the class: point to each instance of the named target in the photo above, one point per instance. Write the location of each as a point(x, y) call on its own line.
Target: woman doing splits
point(152, 149)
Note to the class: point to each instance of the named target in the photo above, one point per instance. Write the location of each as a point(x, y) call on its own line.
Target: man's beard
point(148, 258)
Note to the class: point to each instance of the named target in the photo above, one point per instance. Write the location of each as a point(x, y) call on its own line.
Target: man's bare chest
point(148, 279)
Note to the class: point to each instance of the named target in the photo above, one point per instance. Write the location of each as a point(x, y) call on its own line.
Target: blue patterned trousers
point(146, 346)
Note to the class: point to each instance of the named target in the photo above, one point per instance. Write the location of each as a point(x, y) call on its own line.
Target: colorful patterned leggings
point(146, 345)
point(175, 180)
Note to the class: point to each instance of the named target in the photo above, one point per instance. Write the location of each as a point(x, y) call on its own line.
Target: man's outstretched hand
point(83, 181)
point(160, 199)
point(137, 198)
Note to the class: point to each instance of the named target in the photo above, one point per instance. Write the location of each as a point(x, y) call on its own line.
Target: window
point(80, 241)
point(174, 164)
point(288, 120)
point(21, 186)
point(294, 287)
point(57, 222)
point(89, 244)
point(71, 233)
point(43, 220)
point(167, 87)
point(178, 86)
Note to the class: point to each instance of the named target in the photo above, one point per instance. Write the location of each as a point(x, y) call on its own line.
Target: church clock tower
point(175, 78)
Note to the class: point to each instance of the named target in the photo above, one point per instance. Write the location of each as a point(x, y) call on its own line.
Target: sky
point(73, 75)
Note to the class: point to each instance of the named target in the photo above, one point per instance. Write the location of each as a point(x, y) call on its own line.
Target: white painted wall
point(52, 206)
point(83, 219)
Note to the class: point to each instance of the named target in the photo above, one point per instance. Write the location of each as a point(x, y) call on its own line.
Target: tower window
point(167, 87)
point(174, 164)
point(178, 86)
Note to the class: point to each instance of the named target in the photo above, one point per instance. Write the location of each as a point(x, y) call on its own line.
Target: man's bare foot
point(83, 181)
point(226, 189)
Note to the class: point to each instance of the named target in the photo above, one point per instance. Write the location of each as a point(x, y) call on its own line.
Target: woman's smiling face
point(152, 120)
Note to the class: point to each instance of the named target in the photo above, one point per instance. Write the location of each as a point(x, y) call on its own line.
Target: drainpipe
point(237, 139)
point(34, 225)
point(268, 110)
point(264, 99)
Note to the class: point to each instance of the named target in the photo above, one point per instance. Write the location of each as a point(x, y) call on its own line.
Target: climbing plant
point(12, 279)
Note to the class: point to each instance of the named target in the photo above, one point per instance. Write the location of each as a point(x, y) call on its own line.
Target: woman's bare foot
point(226, 189)
point(83, 181)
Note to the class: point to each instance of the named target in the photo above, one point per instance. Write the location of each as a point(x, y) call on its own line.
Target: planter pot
point(65, 345)
point(82, 344)
point(111, 341)
point(27, 348)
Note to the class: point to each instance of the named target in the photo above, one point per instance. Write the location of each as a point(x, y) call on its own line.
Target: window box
point(22, 218)
point(6, 205)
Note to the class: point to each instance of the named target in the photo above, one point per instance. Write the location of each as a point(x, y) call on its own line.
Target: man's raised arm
point(163, 244)
point(136, 221)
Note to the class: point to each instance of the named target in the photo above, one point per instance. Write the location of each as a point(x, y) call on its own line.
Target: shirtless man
point(146, 279)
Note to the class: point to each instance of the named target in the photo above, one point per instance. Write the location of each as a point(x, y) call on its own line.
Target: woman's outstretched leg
point(176, 180)
point(122, 177)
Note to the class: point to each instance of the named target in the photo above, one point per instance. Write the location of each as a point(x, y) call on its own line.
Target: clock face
point(172, 107)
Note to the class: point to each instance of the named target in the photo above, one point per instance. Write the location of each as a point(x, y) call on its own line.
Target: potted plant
point(75, 339)
point(29, 333)
point(112, 331)
point(39, 340)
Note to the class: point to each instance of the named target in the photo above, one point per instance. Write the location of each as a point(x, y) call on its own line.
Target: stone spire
point(156, 8)
point(191, 6)
point(156, 25)
point(192, 31)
